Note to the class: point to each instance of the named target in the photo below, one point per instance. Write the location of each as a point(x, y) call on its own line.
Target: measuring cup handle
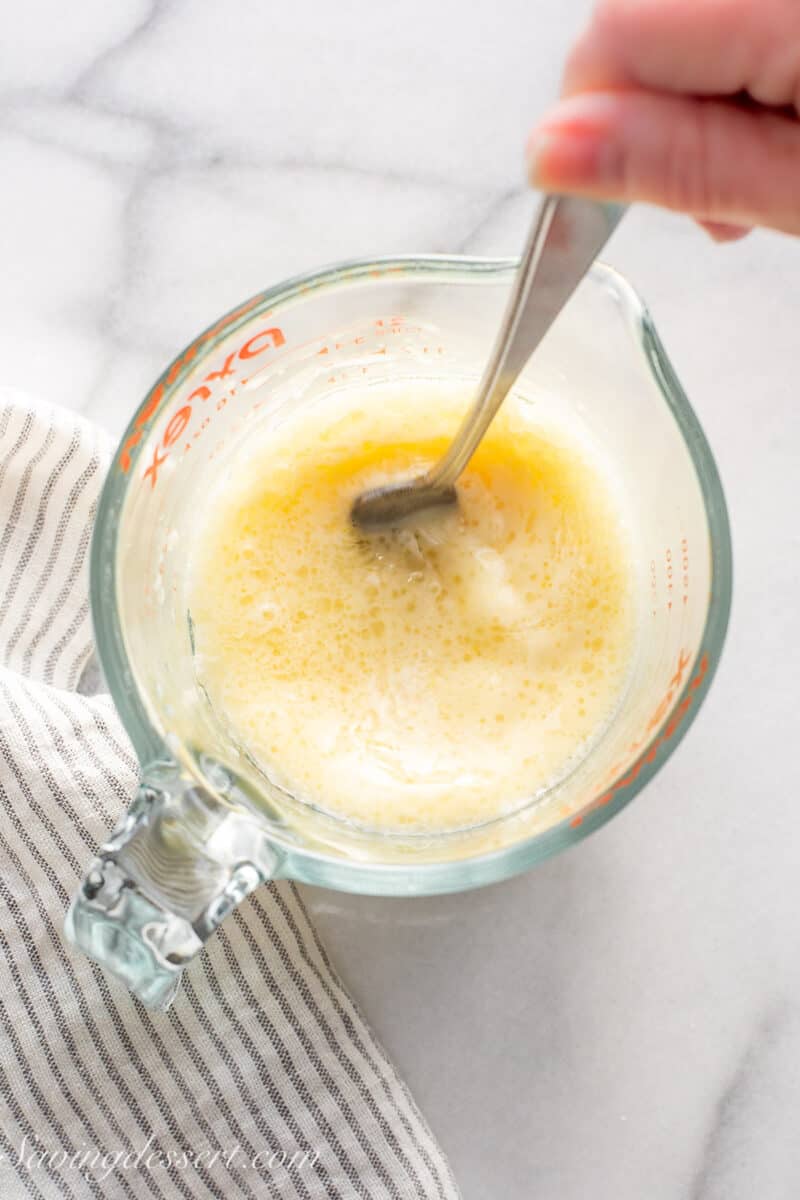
point(177, 864)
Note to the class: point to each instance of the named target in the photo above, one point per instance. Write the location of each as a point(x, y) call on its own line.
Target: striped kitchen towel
point(263, 1079)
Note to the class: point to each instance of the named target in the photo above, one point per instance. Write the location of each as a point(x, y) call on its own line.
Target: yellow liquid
point(430, 679)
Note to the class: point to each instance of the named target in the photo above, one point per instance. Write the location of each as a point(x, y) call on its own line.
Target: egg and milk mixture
point(428, 678)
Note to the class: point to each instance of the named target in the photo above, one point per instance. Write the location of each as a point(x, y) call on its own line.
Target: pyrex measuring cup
point(208, 825)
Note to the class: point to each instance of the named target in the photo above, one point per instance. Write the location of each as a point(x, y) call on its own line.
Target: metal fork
point(567, 235)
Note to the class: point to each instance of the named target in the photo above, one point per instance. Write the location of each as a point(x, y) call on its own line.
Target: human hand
point(689, 104)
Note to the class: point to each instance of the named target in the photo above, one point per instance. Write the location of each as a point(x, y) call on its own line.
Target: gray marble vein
point(749, 1148)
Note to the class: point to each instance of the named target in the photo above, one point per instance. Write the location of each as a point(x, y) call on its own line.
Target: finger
point(721, 232)
point(704, 47)
point(703, 157)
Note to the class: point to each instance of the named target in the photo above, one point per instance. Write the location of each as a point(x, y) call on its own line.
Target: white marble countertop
point(623, 1021)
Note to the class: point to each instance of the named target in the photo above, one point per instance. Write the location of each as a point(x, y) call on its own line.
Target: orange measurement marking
point(669, 731)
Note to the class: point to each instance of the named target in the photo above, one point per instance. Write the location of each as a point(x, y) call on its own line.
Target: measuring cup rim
point(377, 877)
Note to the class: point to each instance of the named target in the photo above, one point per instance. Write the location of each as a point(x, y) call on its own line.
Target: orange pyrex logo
point(217, 386)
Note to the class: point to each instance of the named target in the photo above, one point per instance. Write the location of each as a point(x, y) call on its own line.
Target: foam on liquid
point(430, 679)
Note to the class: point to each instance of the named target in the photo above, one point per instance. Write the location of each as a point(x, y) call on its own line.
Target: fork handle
point(567, 235)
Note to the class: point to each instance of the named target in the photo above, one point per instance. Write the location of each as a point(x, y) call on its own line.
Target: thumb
point(726, 165)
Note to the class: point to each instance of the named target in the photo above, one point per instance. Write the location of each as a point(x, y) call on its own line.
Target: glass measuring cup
point(208, 825)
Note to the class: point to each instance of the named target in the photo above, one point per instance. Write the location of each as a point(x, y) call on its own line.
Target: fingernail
point(566, 158)
point(578, 143)
point(538, 154)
